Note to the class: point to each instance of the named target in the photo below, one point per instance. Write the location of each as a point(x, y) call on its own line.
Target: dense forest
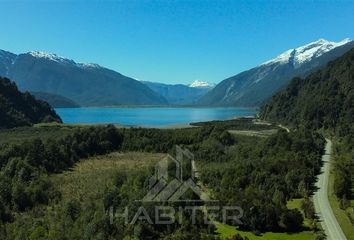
point(279, 168)
point(28, 193)
point(22, 109)
point(262, 174)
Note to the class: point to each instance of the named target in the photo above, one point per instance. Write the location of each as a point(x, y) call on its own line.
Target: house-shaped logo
point(170, 186)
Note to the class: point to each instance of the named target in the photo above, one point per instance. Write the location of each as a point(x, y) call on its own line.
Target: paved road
point(328, 220)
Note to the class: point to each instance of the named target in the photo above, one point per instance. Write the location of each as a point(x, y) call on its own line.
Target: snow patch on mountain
point(201, 84)
point(62, 60)
point(50, 56)
point(303, 54)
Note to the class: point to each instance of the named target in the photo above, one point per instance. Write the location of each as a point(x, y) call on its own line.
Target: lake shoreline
point(159, 106)
point(150, 117)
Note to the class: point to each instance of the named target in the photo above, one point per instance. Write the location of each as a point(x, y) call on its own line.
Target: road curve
point(323, 208)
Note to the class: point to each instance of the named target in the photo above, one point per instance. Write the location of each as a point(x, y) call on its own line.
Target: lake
point(150, 116)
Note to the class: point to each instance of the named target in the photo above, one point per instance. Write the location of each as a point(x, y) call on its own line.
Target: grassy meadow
point(88, 179)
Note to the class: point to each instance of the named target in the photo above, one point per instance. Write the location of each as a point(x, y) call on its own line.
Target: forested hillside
point(325, 99)
point(22, 109)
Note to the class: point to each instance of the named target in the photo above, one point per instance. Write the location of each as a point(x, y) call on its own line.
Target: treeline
point(211, 139)
point(22, 109)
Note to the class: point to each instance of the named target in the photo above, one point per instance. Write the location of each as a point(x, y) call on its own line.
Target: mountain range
point(65, 83)
point(88, 84)
point(85, 84)
point(253, 87)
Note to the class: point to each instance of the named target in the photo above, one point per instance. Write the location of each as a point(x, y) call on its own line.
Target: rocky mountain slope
point(251, 88)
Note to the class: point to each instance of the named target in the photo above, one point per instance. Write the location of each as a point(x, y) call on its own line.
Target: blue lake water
point(153, 117)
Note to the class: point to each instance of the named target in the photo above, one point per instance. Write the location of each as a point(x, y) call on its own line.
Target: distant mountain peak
point(49, 56)
point(303, 54)
point(201, 84)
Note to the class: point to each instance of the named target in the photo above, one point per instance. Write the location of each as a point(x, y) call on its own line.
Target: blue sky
point(172, 41)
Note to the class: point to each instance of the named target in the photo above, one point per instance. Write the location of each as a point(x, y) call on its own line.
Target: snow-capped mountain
point(306, 53)
point(87, 84)
point(201, 84)
point(55, 58)
point(254, 86)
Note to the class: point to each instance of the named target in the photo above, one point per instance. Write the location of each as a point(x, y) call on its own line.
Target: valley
point(75, 84)
point(79, 171)
point(177, 120)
